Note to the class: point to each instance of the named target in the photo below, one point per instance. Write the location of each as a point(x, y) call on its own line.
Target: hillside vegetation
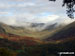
point(59, 40)
point(67, 32)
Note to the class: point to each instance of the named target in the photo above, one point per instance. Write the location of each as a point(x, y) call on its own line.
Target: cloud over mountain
point(13, 11)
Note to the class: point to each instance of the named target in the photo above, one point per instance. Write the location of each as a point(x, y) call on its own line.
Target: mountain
point(11, 34)
point(66, 33)
point(37, 24)
point(42, 26)
point(33, 30)
point(29, 46)
point(51, 27)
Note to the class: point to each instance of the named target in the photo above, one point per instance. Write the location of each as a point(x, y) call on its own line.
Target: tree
point(70, 7)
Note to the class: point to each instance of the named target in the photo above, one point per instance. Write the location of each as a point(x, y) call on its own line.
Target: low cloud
point(8, 20)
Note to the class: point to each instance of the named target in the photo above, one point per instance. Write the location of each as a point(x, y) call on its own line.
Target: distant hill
point(11, 34)
point(68, 32)
point(51, 27)
point(37, 24)
point(23, 31)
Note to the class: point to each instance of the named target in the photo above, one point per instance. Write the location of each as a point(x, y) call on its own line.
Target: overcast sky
point(20, 11)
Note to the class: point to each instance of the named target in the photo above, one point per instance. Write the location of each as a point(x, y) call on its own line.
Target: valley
point(22, 42)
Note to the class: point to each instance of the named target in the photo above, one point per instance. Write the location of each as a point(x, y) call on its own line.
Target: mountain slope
point(66, 32)
point(6, 34)
point(22, 31)
point(2, 30)
point(51, 27)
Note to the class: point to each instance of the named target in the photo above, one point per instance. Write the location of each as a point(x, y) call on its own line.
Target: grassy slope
point(66, 32)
